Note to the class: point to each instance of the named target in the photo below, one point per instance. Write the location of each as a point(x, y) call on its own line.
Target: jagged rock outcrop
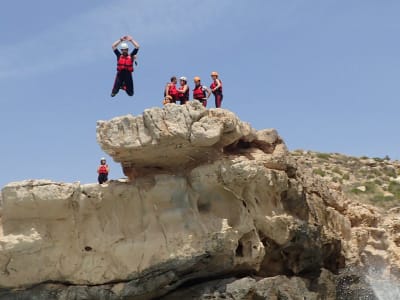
point(209, 202)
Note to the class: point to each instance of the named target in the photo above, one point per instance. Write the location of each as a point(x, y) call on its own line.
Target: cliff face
point(207, 200)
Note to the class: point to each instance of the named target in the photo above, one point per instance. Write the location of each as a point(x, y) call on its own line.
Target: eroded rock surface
point(209, 202)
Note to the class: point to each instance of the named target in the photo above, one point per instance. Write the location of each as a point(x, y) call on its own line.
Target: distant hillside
point(371, 180)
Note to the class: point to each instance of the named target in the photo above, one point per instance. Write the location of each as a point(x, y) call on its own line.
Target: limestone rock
point(211, 208)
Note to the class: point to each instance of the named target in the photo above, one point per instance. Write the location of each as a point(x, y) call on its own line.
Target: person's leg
point(117, 85)
point(129, 84)
point(218, 100)
point(102, 178)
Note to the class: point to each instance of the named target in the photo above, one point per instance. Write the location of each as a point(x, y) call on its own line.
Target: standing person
point(216, 89)
point(183, 90)
point(171, 92)
point(200, 92)
point(103, 170)
point(123, 79)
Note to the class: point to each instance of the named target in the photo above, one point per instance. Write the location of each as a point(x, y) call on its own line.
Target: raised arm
point(208, 92)
point(134, 43)
point(185, 88)
point(117, 42)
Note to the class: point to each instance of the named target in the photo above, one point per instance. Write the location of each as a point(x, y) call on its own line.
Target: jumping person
point(123, 79)
point(216, 89)
point(200, 92)
point(103, 170)
point(183, 90)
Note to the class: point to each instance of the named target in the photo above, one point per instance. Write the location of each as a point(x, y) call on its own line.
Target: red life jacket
point(103, 169)
point(125, 63)
point(198, 93)
point(213, 85)
point(183, 96)
point(172, 91)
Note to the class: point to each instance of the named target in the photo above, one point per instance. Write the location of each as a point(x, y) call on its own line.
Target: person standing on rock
point(171, 92)
point(183, 90)
point(216, 89)
point(200, 92)
point(103, 171)
point(125, 60)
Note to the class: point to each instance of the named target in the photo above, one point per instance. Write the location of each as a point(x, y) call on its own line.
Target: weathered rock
point(208, 199)
point(171, 137)
point(278, 287)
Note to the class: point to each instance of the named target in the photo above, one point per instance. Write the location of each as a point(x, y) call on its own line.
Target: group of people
point(174, 93)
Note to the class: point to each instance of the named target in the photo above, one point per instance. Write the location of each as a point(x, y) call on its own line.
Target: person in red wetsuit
point(200, 92)
point(103, 170)
point(216, 89)
point(183, 90)
point(125, 60)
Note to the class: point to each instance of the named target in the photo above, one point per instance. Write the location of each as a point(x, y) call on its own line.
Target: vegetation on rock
point(373, 181)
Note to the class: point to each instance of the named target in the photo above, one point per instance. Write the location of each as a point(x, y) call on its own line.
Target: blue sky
point(323, 73)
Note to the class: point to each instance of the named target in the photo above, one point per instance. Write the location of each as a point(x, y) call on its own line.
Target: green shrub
point(386, 202)
point(337, 179)
point(370, 187)
point(337, 170)
point(389, 172)
point(394, 188)
point(356, 191)
point(378, 159)
point(319, 172)
point(324, 156)
point(379, 198)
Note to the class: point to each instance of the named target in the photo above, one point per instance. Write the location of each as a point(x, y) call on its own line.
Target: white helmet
point(183, 78)
point(124, 46)
point(102, 159)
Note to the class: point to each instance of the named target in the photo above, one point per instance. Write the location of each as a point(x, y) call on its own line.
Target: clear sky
point(325, 74)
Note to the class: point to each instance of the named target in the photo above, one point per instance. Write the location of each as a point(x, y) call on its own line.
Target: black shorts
point(103, 177)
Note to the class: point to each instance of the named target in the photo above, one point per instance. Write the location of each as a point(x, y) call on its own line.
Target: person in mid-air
point(216, 89)
point(200, 92)
point(125, 60)
point(103, 170)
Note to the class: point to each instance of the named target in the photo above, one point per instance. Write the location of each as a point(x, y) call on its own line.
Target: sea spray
point(384, 287)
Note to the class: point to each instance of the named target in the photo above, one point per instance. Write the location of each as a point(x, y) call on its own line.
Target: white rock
point(361, 188)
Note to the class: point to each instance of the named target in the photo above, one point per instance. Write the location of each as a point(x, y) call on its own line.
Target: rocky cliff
point(210, 209)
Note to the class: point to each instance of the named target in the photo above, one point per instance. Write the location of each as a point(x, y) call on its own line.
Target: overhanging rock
point(177, 136)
